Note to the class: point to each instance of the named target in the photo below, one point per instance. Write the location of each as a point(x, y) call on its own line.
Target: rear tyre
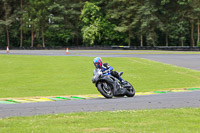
point(105, 89)
point(130, 92)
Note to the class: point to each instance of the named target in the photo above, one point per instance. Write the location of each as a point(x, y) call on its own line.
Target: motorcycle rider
point(106, 69)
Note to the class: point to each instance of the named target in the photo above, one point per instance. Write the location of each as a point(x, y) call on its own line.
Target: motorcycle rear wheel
point(106, 92)
point(130, 92)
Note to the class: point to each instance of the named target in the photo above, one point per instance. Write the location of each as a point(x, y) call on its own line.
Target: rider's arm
point(107, 67)
point(110, 68)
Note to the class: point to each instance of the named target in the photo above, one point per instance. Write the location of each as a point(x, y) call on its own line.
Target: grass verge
point(157, 120)
point(26, 75)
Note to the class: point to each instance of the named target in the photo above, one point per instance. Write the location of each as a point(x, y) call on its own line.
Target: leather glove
point(107, 71)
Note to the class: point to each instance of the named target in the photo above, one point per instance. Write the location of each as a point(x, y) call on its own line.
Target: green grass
point(159, 120)
point(26, 75)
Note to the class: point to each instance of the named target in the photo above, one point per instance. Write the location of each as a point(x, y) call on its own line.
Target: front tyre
point(130, 91)
point(105, 89)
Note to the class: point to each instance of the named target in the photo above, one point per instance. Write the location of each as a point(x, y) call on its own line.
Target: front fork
point(105, 85)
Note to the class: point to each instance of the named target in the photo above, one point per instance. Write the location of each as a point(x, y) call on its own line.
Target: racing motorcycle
point(110, 86)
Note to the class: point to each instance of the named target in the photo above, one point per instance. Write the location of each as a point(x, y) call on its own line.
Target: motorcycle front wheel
point(130, 92)
point(105, 89)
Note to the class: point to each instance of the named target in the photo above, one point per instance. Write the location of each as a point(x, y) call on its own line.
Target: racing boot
point(122, 81)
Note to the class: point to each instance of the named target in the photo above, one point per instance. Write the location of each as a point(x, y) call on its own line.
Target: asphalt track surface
point(157, 101)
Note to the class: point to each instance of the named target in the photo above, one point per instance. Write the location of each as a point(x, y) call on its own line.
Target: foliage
point(96, 28)
point(61, 37)
point(91, 17)
point(100, 22)
point(90, 33)
point(198, 44)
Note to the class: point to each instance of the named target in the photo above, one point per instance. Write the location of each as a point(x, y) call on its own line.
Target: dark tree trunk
point(32, 40)
point(77, 40)
point(166, 39)
point(154, 38)
point(192, 34)
point(43, 41)
point(8, 37)
point(141, 40)
point(21, 23)
point(198, 30)
point(129, 37)
point(182, 43)
point(7, 29)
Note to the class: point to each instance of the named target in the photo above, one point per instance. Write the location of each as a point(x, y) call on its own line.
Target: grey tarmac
point(156, 101)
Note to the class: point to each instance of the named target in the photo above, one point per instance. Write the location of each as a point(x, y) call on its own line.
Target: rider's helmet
point(97, 62)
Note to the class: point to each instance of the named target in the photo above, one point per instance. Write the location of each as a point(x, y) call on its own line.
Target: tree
point(36, 16)
point(96, 27)
point(192, 14)
point(91, 17)
point(195, 5)
point(65, 20)
point(29, 16)
point(166, 12)
point(100, 22)
point(149, 20)
point(8, 17)
point(72, 19)
point(42, 16)
point(21, 23)
point(124, 13)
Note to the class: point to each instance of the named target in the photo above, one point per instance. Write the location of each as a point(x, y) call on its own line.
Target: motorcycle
point(110, 86)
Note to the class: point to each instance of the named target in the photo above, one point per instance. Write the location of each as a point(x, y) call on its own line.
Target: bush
point(198, 45)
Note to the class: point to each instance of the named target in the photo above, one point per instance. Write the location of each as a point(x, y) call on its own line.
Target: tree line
point(51, 23)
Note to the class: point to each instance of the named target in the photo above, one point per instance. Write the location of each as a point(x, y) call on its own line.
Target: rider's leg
point(116, 74)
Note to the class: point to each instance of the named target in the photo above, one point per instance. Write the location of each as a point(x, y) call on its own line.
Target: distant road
point(182, 59)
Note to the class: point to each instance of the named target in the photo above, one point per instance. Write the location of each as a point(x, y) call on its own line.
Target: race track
point(157, 101)
point(168, 100)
